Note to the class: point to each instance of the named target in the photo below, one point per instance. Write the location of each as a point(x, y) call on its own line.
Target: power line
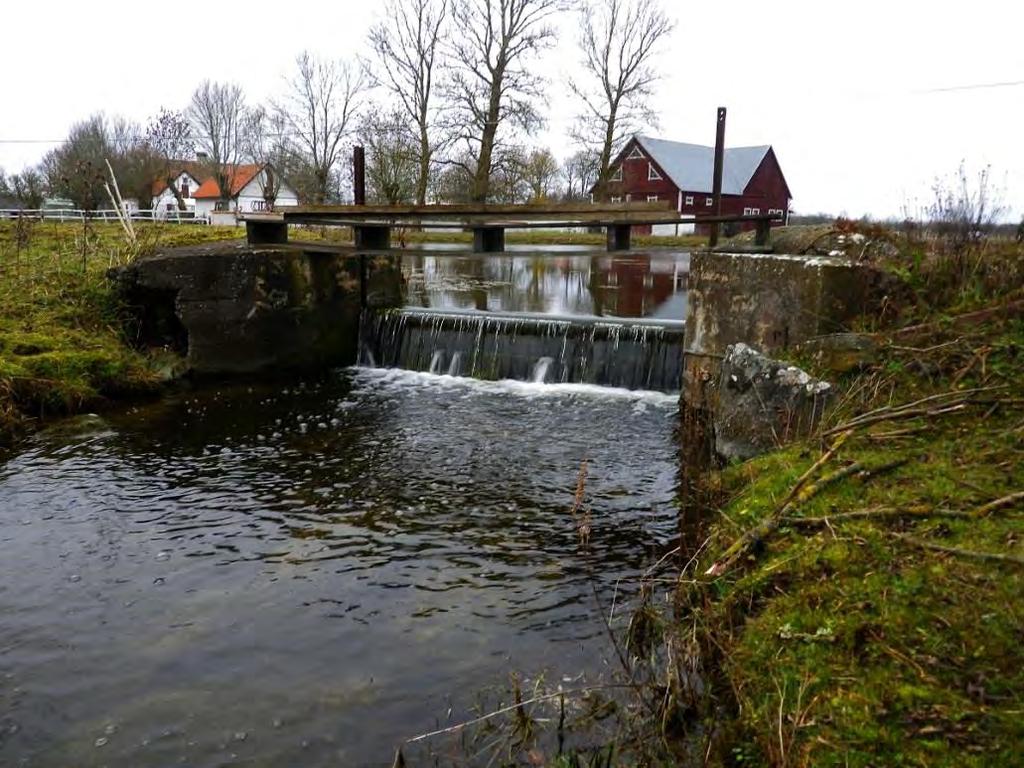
point(973, 87)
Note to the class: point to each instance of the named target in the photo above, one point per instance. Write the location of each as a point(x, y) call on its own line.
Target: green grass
point(63, 343)
point(847, 644)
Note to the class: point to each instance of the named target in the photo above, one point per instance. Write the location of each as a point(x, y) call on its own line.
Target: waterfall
point(435, 361)
point(540, 370)
point(629, 353)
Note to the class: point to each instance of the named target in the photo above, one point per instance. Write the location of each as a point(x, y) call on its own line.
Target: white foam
point(528, 389)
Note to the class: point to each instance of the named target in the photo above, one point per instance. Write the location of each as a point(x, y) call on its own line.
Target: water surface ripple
point(306, 574)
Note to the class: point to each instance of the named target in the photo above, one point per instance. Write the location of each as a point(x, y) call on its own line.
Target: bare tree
point(619, 42)
point(76, 169)
point(320, 110)
point(27, 189)
point(492, 82)
point(392, 163)
point(168, 136)
point(407, 52)
point(579, 172)
point(265, 140)
point(217, 115)
point(540, 171)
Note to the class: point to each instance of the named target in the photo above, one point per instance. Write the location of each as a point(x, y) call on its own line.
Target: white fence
point(103, 214)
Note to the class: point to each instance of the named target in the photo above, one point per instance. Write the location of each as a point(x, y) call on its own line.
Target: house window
point(708, 201)
point(185, 191)
point(617, 174)
point(169, 206)
point(689, 199)
point(635, 154)
point(652, 198)
point(652, 175)
point(616, 198)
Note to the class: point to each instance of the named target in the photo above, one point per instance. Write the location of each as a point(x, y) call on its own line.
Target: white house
point(248, 183)
point(187, 181)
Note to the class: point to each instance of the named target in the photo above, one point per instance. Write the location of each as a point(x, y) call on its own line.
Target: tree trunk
point(176, 192)
point(424, 177)
point(600, 189)
point(482, 178)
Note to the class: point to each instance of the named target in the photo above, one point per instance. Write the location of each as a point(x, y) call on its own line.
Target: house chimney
point(201, 156)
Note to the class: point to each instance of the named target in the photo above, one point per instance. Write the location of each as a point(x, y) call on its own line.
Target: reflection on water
point(555, 282)
point(305, 576)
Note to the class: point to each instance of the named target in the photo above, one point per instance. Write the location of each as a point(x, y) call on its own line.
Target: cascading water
point(634, 354)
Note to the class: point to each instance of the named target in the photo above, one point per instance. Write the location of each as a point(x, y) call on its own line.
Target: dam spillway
point(630, 353)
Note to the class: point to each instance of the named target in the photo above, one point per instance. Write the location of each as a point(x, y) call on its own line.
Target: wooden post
point(488, 239)
point(372, 237)
point(359, 175)
point(716, 184)
point(266, 232)
point(764, 227)
point(618, 237)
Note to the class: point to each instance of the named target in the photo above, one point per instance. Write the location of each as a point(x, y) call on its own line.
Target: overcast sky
point(856, 97)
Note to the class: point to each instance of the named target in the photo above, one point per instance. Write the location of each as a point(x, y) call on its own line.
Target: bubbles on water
point(101, 741)
point(163, 555)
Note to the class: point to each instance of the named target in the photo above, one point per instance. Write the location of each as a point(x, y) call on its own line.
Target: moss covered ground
point(881, 623)
point(63, 344)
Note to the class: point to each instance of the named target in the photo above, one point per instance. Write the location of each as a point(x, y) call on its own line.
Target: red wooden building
point(649, 169)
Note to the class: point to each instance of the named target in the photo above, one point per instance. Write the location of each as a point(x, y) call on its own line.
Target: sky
point(866, 103)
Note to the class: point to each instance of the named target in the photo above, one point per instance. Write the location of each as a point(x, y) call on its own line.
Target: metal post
point(359, 175)
point(716, 184)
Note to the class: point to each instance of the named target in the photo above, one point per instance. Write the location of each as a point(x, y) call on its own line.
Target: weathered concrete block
point(772, 302)
point(238, 308)
point(763, 403)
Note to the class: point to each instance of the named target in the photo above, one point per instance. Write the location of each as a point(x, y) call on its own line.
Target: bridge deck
point(372, 223)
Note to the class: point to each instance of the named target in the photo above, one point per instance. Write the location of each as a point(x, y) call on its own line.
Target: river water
point(307, 573)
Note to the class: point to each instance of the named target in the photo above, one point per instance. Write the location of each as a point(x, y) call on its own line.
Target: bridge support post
point(488, 239)
point(618, 237)
point(266, 232)
point(374, 237)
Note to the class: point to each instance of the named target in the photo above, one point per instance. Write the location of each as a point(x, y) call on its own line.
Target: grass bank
point(873, 615)
point(64, 346)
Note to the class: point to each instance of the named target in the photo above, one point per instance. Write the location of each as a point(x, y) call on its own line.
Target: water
point(289, 575)
point(567, 315)
point(562, 281)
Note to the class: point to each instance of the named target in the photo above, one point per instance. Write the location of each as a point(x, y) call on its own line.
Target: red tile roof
point(239, 175)
point(198, 171)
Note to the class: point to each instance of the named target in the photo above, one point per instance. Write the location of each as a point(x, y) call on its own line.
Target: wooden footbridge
point(372, 224)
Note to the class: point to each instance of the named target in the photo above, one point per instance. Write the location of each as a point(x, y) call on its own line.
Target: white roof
point(691, 167)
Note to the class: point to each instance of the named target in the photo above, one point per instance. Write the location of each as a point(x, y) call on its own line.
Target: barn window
point(707, 201)
point(635, 154)
point(652, 175)
point(652, 198)
point(747, 211)
point(755, 211)
point(689, 199)
point(616, 198)
point(617, 174)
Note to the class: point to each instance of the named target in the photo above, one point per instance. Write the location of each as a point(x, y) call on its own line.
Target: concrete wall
point(236, 308)
point(771, 302)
